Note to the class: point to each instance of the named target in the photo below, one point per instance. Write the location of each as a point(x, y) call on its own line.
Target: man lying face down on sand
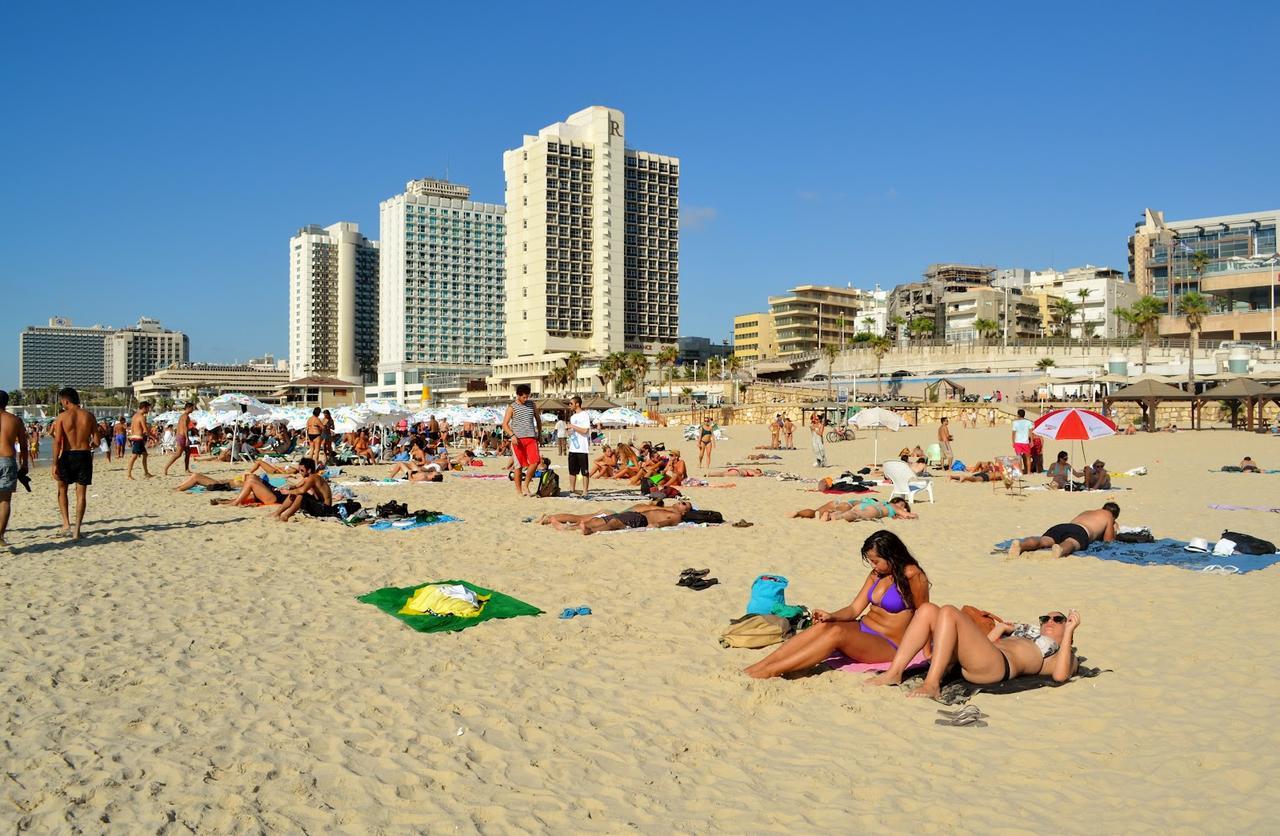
point(1005, 653)
point(644, 515)
point(1065, 538)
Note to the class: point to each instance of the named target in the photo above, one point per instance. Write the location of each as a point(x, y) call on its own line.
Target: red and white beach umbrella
point(1073, 425)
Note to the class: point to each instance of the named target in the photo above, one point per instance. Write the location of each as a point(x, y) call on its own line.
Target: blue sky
point(157, 159)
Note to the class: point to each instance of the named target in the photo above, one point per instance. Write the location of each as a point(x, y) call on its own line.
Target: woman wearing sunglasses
point(1006, 652)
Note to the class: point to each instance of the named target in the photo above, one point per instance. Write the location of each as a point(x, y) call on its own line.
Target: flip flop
point(700, 584)
point(584, 610)
point(743, 524)
point(969, 720)
point(568, 612)
point(698, 573)
point(967, 711)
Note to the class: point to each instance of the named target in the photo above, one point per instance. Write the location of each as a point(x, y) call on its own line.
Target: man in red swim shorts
point(1022, 440)
point(524, 426)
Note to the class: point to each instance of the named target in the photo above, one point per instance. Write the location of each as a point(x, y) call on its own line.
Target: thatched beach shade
point(1242, 390)
point(597, 402)
point(1148, 394)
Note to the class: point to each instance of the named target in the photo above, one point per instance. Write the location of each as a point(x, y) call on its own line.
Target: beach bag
point(549, 484)
point(958, 466)
point(754, 631)
point(1248, 544)
point(986, 621)
point(767, 592)
point(708, 517)
point(1135, 537)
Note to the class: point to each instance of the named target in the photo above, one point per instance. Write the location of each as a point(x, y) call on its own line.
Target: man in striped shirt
point(524, 426)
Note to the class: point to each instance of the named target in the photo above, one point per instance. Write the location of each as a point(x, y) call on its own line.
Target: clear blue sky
point(156, 160)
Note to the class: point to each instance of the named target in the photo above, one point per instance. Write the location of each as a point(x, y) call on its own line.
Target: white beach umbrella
point(875, 418)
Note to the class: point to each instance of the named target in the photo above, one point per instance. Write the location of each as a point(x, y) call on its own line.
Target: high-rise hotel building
point(593, 247)
point(333, 303)
point(442, 290)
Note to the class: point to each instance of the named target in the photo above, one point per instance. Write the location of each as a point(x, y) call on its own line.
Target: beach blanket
point(392, 599)
point(408, 525)
point(378, 483)
point(840, 662)
point(1231, 468)
point(1245, 508)
point(482, 476)
point(1168, 552)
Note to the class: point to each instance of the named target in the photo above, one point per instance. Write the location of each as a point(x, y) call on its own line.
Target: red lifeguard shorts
point(525, 450)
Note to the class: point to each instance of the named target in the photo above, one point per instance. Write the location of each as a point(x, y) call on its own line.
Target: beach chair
point(905, 483)
point(933, 455)
point(1011, 477)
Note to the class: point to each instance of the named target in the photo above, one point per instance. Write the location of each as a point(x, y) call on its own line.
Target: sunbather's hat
point(1197, 544)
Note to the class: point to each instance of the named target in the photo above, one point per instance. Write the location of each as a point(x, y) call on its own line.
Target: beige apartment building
point(333, 302)
point(965, 308)
point(810, 316)
point(1239, 278)
point(592, 247)
point(754, 337)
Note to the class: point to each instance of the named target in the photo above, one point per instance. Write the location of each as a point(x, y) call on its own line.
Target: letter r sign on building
point(615, 128)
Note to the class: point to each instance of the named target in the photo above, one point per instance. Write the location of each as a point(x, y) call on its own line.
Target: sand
point(205, 669)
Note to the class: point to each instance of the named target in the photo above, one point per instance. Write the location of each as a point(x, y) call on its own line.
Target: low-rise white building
point(1100, 290)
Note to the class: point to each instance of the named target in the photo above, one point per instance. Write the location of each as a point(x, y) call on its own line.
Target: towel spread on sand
point(482, 476)
point(391, 600)
point(1168, 552)
point(409, 524)
point(1245, 508)
point(840, 662)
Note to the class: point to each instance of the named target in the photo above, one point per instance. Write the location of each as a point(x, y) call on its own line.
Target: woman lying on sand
point(736, 471)
point(984, 658)
point(856, 508)
point(869, 629)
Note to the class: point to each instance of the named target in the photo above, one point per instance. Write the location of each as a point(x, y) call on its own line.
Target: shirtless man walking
point(944, 441)
point(73, 441)
point(14, 461)
point(138, 433)
point(118, 431)
point(1066, 538)
point(181, 440)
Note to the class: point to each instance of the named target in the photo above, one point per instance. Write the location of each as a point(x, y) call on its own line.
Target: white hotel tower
point(592, 247)
point(333, 302)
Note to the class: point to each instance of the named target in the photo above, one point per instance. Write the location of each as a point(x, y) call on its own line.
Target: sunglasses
point(1057, 619)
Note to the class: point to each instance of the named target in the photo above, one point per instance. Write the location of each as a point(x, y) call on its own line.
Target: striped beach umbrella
point(1073, 425)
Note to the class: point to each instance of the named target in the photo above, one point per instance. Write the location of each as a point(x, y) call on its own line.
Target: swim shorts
point(1022, 449)
point(1069, 531)
point(313, 507)
point(75, 467)
point(630, 519)
point(181, 442)
point(525, 450)
point(8, 474)
point(578, 464)
point(138, 446)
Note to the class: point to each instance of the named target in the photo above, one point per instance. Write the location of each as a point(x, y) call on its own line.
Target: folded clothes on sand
point(1164, 552)
point(392, 601)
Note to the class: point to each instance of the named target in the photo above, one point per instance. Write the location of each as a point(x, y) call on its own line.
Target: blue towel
point(1167, 552)
point(385, 525)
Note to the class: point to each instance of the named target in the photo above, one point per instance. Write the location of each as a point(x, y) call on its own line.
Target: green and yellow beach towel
point(448, 614)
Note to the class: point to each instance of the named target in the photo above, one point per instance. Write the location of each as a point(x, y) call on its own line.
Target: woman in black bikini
point(706, 442)
point(984, 658)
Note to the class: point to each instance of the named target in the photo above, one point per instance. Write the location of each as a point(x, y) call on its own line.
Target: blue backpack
point(767, 592)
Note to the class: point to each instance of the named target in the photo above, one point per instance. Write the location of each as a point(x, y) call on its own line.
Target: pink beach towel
point(840, 662)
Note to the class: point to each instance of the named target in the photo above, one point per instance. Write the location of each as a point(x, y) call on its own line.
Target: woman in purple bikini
point(871, 628)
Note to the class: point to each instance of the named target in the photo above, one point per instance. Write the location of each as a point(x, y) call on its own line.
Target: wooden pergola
point(1240, 391)
point(1149, 394)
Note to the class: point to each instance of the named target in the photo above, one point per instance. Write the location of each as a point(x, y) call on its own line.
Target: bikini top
point(891, 600)
point(1046, 645)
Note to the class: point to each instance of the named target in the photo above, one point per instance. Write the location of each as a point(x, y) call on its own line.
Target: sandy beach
point(192, 668)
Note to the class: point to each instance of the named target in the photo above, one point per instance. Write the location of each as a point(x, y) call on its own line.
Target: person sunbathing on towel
point(1247, 465)
point(981, 472)
point(984, 658)
point(868, 508)
point(206, 482)
point(255, 490)
point(572, 522)
point(656, 517)
point(1065, 538)
point(310, 494)
point(869, 629)
point(274, 469)
point(736, 471)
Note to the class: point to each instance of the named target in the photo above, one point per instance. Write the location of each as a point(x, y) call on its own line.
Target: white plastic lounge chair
point(905, 483)
point(933, 455)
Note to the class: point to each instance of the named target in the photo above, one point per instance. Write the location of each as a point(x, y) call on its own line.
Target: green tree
point(1083, 293)
point(1044, 364)
point(557, 379)
point(830, 352)
point(666, 360)
point(880, 347)
point(1144, 318)
point(986, 328)
point(1194, 307)
point(572, 364)
point(896, 322)
point(921, 326)
point(639, 365)
point(868, 322)
point(686, 392)
point(1064, 310)
point(610, 367)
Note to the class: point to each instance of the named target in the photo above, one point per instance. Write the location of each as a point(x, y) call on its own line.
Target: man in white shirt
point(1022, 440)
point(579, 440)
point(562, 436)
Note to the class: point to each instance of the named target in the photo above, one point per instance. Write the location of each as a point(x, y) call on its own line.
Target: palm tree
point(1200, 260)
point(1063, 311)
point(610, 366)
point(880, 346)
point(830, 352)
point(1044, 364)
point(734, 364)
point(896, 322)
point(1144, 317)
point(840, 323)
point(921, 326)
point(666, 359)
point(1195, 307)
point(986, 328)
point(1083, 293)
point(571, 364)
point(868, 322)
point(558, 379)
point(639, 364)
point(626, 379)
point(686, 392)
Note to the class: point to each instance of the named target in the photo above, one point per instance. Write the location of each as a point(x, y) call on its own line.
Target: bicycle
point(841, 434)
